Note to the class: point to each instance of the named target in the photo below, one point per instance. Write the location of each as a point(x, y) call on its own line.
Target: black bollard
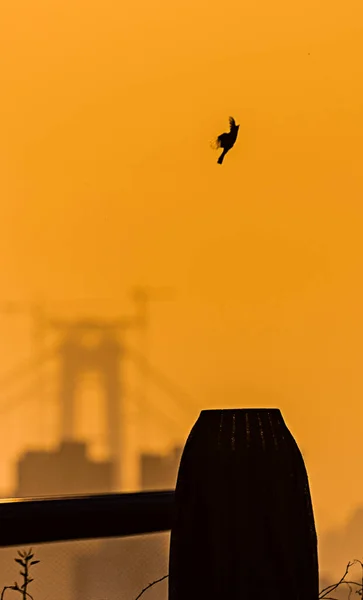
point(244, 524)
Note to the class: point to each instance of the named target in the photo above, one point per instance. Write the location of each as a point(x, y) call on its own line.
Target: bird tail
point(220, 160)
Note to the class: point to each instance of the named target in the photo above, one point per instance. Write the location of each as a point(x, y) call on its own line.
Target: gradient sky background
point(108, 180)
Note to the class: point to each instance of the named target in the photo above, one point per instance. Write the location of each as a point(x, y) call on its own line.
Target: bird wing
point(217, 143)
point(232, 123)
point(221, 139)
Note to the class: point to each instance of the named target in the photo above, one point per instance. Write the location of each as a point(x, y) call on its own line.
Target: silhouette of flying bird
point(227, 140)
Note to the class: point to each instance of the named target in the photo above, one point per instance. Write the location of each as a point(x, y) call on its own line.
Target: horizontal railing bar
point(30, 521)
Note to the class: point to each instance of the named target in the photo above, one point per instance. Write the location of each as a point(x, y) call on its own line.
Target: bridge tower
point(103, 356)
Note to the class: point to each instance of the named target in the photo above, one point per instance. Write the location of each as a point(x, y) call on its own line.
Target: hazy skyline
point(108, 180)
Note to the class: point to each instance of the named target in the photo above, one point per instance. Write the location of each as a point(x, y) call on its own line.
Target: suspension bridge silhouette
point(96, 346)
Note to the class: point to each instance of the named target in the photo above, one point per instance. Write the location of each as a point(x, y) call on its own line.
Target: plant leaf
point(20, 561)
point(34, 562)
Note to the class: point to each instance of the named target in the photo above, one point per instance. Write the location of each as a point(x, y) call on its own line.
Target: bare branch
point(327, 590)
point(330, 588)
point(150, 585)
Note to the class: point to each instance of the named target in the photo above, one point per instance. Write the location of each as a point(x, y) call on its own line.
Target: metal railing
point(44, 520)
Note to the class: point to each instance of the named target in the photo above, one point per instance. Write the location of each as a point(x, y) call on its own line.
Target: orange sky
point(108, 180)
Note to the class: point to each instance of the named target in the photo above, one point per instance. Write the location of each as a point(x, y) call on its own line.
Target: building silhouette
point(67, 470)
point(159, 472)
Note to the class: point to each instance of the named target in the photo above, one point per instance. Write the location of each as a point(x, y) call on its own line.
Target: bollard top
point(230, 410)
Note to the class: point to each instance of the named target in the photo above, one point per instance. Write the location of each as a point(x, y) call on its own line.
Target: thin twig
point(330, 588)
point(150, 585)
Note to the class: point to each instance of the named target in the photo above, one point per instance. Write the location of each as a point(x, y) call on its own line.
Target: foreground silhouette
point(227, 140)
point(243, 520)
